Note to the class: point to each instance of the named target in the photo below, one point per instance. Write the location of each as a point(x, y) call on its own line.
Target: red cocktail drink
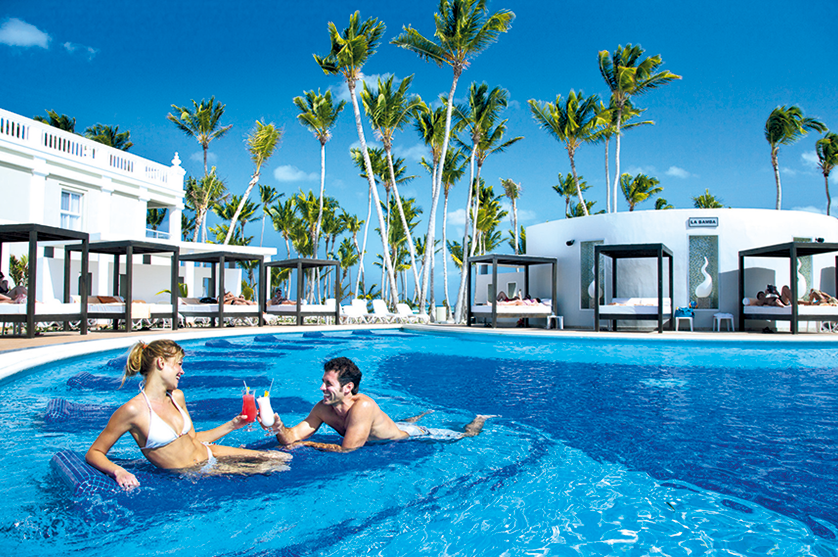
point(249, 407)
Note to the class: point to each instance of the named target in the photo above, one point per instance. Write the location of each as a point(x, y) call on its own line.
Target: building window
point(70, 210)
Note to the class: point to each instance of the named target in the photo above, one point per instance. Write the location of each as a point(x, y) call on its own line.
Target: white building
point(56, 178)
point(705, 245)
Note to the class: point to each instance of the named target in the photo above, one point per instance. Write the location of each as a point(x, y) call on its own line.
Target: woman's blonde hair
point(142, 356)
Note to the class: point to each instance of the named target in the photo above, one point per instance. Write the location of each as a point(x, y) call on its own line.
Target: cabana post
point(129, 248)
point(632, 251)
point(525, 261)
point(794, 313)
point(300, 310)
point(34, 233)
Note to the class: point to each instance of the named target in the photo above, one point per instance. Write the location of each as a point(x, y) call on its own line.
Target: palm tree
point(261, 144)
point(513, 192)
point(577, 210)
point(639, 188)
point(379, 168)
point(154, 217)
point(225, 210)
point(201, 122)
point(785, 125)
point(109, 136)
point(627, 77)
point(201, 195)
point(284, 219)
point(573, 122)
point(62, 122)
point(352, 224)
point(518, 243)
point(389, 111)
point(464, 29)
point(707, 201)
point(661, 204)
point(348, 53)
point(606, 132)
point(455, 167)
point(318, 113)
point(267, 195)
point(827, 151)
point(567, 189)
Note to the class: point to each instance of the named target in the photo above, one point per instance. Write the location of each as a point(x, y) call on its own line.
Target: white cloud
point(810, 209)
point(15, 32)
point(198, 156)
point(457, 218)
point(635, 170)
point(289, 173)
point(810, 159)
point(414, 153)
point(371, 81)
point(676, 172)
point(73, 48)
point(787, 171)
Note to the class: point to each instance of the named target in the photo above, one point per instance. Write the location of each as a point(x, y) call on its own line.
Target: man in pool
point(356, 417)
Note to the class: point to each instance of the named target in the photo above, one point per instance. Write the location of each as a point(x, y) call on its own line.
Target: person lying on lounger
point(158, 420)
point(356, 417)
point(233, 300)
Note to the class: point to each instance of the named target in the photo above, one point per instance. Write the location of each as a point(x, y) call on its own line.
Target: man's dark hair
point(346, 371)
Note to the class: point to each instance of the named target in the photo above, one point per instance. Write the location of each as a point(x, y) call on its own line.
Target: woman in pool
point(158, 420)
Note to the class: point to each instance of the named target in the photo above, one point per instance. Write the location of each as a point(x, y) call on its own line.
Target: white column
point(37, 194)
point(102, 224)
point(141, 225)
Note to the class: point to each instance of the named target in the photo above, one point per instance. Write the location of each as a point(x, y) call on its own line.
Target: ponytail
point(142, 356)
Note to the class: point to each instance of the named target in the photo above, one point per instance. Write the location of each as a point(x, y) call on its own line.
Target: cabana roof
point(304, 263)
point(633, 251)
point(514, 260)
point(787, 249)
point(20, 233)
point(121, 247)
point(216, 256)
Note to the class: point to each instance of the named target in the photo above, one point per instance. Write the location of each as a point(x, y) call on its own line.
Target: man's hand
point(276, 427)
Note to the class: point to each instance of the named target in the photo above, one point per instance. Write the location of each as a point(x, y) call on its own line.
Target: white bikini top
point(160, 433)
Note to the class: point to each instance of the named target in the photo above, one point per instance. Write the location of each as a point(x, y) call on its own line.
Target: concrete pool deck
point(18, 354)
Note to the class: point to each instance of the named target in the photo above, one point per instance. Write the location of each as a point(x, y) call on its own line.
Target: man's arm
point(358, 427)
point(303, 430)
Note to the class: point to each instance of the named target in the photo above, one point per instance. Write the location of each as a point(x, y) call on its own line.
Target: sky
point(125, 64)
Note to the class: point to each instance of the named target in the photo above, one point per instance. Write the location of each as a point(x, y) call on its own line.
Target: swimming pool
point(603, 446)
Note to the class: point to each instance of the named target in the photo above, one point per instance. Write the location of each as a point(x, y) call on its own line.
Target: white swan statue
point(705, 288)
point(592, 286)
point(802, 286)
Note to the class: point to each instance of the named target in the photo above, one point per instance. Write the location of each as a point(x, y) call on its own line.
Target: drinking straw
point(271, 387)
point(246, 388)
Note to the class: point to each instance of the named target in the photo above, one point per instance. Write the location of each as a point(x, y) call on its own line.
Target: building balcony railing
point(157, 234)
point(48, 140)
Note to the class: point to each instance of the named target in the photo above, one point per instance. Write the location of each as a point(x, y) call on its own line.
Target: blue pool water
point(603, 446)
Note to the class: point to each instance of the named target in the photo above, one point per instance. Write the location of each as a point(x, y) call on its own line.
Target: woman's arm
point(217, 433)
point(96, 456)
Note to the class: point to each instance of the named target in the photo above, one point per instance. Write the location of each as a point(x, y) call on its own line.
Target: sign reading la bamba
point(708, 222)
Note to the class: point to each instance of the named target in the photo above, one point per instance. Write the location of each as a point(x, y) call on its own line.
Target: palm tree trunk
point(460, 310)
point(371, 178)
point(576, 182)
point(515, 223)
point(607, 178)
point(360, 260)
point(361, 275)
point(445, 251)
point(776, 164)
point(435, 187)
point(322, 187)
point(410, 246)
point(828, 199)
point(253, 181)
point(199, 222)
point(476, 203)
point(617, 156)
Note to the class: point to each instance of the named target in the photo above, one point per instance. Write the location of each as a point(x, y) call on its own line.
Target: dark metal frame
point(633, 251)
point(34, 233)
point(790, 251)
point(524, 261)
point(300, 265)
point(219, 259)
point(128, 248)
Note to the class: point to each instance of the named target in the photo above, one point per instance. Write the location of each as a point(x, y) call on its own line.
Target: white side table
point(559, 322)
point(719, 318)
point(680, 317)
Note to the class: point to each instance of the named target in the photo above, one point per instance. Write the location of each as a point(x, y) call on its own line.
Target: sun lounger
point(188, 308)
point(516, 312)
point(407, 316)
point(381, 313)
point(635, 309)
point(303, 310)
point(361, 309)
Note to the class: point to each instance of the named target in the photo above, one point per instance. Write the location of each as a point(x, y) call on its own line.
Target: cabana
point(300, 309)
point(491, 310)
point(127, 310)
point(218, 311)
point(49, 310)
point(633, 308)
point(795, 312)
